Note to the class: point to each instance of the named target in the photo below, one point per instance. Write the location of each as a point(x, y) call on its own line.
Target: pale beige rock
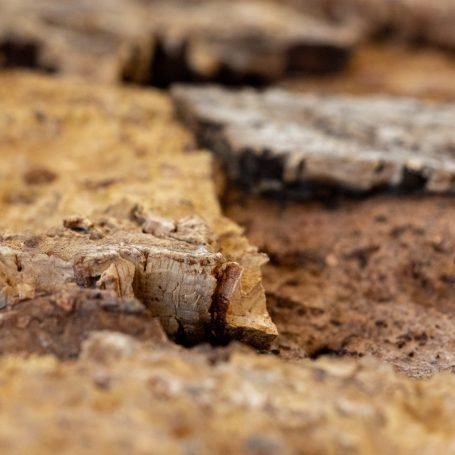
point(128, 209)
point(279, 140)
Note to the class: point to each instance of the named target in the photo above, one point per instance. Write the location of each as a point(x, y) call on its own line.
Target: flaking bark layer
point(101, 188)
point(305, 144)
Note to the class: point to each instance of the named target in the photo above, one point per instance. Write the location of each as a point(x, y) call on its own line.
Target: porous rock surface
point(281, 141)
point(359, 277)
point(100, 189)
point(161, 41)
point(57, 323)
point(122, 396)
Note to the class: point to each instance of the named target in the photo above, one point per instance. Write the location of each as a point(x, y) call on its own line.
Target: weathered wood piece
point(160, 42)
point(99, 188)
point(278, 140)
point(123, 396)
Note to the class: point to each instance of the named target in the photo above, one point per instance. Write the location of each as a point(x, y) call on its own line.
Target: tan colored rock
point(128, 209)
point(304, 143)
point(123, 396)
point(166, 41)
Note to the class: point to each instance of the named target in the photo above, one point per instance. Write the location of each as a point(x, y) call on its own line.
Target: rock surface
point(279, 141)
point(58, 323)
point(160, 42)
point(370, 277)
point(99, 189)
point(122, 396)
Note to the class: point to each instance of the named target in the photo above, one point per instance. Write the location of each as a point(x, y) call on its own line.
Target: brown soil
point(359, 277)
point(394, 69)
point(58, 323)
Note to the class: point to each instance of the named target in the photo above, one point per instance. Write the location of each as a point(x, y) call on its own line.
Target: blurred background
point(399, 47)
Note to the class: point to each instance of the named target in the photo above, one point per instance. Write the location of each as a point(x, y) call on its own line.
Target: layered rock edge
point(305, 144)
point(102, 189)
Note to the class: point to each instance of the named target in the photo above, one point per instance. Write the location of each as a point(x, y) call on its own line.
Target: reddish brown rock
point(355, 278)
point(58, 323)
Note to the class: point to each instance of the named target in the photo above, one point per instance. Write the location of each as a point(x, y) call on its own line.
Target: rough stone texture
point(98, 188)
point(58, 323)
point(418, 20)
point(164, 41)
point(354, 278)
point(277, 140)
point(123, 397)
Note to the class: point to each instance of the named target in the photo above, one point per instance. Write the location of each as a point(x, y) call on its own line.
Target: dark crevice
point(413, 180)
point(316, 59)
point(327, 351)
point(171, 65)
point(19, 53)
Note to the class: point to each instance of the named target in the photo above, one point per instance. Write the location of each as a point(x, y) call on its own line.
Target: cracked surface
point(102, 188)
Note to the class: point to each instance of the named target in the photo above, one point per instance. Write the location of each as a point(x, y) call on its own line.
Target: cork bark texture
point(149, 305)
point(369, 277)
point(279, 141)
point(100, 189)
point(123, 396)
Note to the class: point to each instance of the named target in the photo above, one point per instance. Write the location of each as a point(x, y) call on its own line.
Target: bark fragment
point(160, 42)
point(154, 232)
point(279, 141)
